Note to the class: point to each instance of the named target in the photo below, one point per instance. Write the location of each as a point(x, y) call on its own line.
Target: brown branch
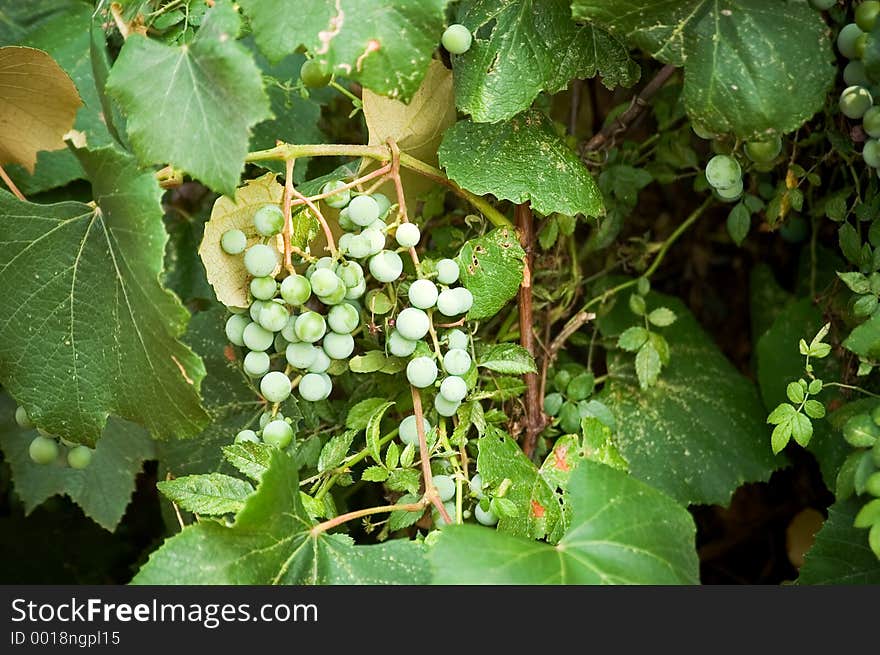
point(379, 172)
point(11, 185)
point(430, 490)
point(285, 208)
point(343, 518)
point(607, 136)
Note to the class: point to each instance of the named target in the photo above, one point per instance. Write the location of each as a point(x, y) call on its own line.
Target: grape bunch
point(46, 449)
point(724, 174)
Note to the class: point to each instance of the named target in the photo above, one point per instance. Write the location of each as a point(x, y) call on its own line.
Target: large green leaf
point(383, 44)
point(492, 269)
point(208, 493)
point(751, 67)
point(698, 433)
point(88, 330)
point(841, 554)
point(192, 106)
point(622, 532)
point(102, 490)
point(271, 543)
point(524, 47)
point(520, 160)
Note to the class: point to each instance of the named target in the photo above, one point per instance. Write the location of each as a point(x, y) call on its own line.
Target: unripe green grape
point(400, 346)
point(485, 517)
point(855, 101)
point(457, 339)
point(22, 418)
point(313, 387)
point(476, 485)
point(423, 294)
point(275, 387)
point(274, 316)
point(343, 318)
point(764, 151)
point(871, 153)
point(233, 242)
point(296, 289)
point(379, 225)
point(359, 247)
point(731, 193)
point(846, 40)
point(413, 323)
point(351, 273)
point(375, 239)
point(338, 346)
point(288, 332)
point(445, 487)
point(860, 45)
point(344, 243)
point(236, 310)
point(453, 389)
point(263, 288)
point(79, 457)
point(339, 199)
point(439, 521)
point(310, 326)
point(854, 74)
point(872, 484)
point(553, 403)
point(43, 450)
point(871, 122)
point(383, 202)
point(256, 363)
point(356, 292)
point(322, 362)
point(421, 372)
point(265, 417)
point(256, 337)
point(269, 220)
point(407, 235)
point(235, 326)
point(386, 266)
point(247, 435)
point(328, 386)
point(280, 343)
point(278, 433)
point(314, 74)
point(723, 171)
point(456, 39)
point(323, 262)
point(324, 282)
point(409, 431)
point(255, 309)
point(445, 407)
point(866, 15)
point(456, 361)
point(465, 299)
point(336, 297)
point(260, 260)
point(301, 355)
point(363, 210)
point(448, 302)
point(345, 221)
point(447, 271)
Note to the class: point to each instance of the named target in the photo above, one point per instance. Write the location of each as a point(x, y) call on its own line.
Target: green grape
point(323, 262)
point(465, 299)
point(235, 326)
point(456, 39)
point(872, 484)
point(296, 289)
point(359, 246)
point(861, 431)
point(386, 266)
point(280, 344)
point(345, 222)
point(485, 517)
point(313, 387)
point(374, 239)
point(456, 361)
point(335, 298)
point(421, 372)
point(875, 414)
point(453, 389)
point(79, 457)
point(269, 220)
point(263, 288)
point(866, 15)
point(256, 337)
point(730, 193)
point(357, 291)
point(255, 309)
point(846, 40)
point(476, 485)
point(233, 242)
point(324, 282)
point(351, 273)
point(445, 487)
point(43, 450)
point(337, 200)
point(247, 435)
point(448, 302)
point(457, 339)
point(256, 363)
point(338, 346)
point(439, 521)
point(871, 153)
point(314, 74)
point(278, 433)
point(764, 151)
point(310, 326)
point(400, 346)
point(260, 260)
point(328, 386)
point(413, 323)
point(860, 45)
point(570, 418)
point(854, 74)
point(383, 202)
point(855, 101)
point(723, 171)
point(301, 355)
point(409, 431)
point(288, 332)
point(322, 362)
point(22, 418)
point(363, 210)
point(343, 319)
point(265, 417)
point(447, 271)
point(344, 243)
point(275, 387)
point(423, 294)
point(407, 235)
point(871, 122)
point(553, 403)
point(274, 316)
point(379, 225)
point(446, 407)
point(875, 454)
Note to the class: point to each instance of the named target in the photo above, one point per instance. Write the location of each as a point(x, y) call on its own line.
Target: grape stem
point(350, 516)
point(401, 199)
point(379, 172)
point(285, 208)
point(430, 490)
point(11, 185)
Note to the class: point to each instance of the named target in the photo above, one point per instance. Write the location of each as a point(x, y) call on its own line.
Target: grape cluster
point(45, 448)
point(573, 384)
point(857, 101)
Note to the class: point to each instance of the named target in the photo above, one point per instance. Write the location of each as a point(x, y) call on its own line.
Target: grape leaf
point(207, 493)
point(622, 532)
point(271, 543)
point(491, 268)
point(37, 107)
point(520, 160)
point(383, 44)
point(739, 57)
point(509, 358)
point(840, 554)
point(192, 106)
point(85, 304)
point(524, 47)
point(698, 433)
point(102, 489)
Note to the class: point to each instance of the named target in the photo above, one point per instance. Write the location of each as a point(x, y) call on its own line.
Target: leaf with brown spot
point(492, 269)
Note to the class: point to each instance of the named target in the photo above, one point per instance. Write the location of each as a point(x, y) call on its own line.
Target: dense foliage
point(424, 291)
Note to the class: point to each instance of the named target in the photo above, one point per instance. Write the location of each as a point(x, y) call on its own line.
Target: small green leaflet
point(208, 493)
point(373, 430)
point(621, 532)
point(335, 450)
point(491, 268)
point(522, 159)
point(385, 45)
point(864, 340)
point(359, 415)
point(507, 358)
point(271, 543)
point(524, 47)
point(82, 285)
point(250, 459)
point(192, 106)
point(841, 554)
